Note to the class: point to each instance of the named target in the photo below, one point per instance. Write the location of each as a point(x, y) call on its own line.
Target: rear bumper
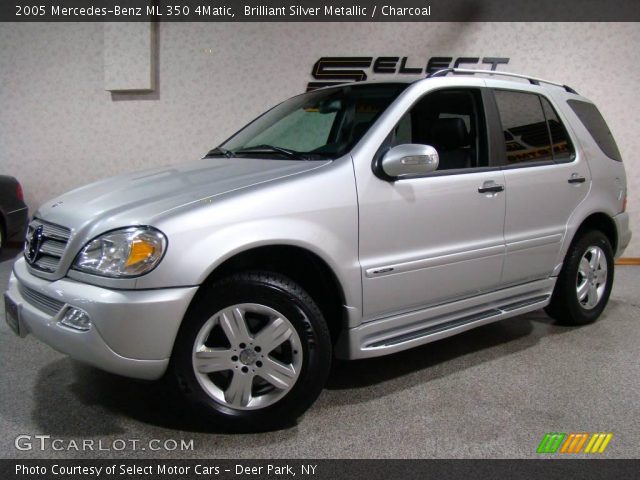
point(132, 331)
point(624, 232)
point(17, 224)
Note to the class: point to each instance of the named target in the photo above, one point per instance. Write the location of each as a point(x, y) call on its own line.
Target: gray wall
point(60, 128)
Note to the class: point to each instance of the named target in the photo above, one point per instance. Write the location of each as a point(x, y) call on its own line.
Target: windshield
point(319, 124)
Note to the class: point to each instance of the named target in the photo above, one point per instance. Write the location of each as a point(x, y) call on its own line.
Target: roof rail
point(532, 80)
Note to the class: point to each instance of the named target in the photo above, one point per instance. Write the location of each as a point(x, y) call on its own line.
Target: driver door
point(431, 240)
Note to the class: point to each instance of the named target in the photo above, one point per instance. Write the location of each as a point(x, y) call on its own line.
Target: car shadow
point(385, 375)
point(74, 399)
point(95, 402)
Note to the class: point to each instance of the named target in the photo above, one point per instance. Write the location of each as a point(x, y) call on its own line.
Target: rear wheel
point(584, 284)
point(253, 353)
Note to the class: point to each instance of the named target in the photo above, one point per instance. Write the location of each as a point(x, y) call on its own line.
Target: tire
point(245, 379)
point(582, 289)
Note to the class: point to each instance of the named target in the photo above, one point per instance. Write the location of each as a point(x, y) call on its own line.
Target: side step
point(399, 332)
point(471, 319)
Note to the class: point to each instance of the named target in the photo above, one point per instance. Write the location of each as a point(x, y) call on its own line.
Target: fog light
point(76, 319)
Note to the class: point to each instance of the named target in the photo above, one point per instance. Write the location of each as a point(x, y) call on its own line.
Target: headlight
point(122, 253)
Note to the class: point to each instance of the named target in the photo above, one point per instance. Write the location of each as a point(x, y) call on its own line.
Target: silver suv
point(347, 222)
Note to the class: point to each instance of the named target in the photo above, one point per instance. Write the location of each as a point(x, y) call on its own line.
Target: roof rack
point(532, 80)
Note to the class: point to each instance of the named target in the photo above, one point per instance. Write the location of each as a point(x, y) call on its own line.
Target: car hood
point(147, 195)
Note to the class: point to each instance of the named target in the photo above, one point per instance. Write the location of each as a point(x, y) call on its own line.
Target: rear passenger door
point(545, 181)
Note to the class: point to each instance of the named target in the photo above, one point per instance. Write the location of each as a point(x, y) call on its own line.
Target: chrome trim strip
point(17, 210)
point(534, 242)
point(435, 261)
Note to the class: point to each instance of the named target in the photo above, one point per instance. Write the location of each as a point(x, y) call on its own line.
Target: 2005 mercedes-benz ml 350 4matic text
point(347, 222)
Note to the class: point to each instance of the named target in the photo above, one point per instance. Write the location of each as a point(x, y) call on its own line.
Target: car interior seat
point(451, 139)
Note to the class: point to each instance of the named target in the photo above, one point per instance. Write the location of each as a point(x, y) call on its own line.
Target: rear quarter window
point(593, 121)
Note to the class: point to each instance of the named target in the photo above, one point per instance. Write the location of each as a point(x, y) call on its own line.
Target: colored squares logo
point(574, 443)
point(551, 442)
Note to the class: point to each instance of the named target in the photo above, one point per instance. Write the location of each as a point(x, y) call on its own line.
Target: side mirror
point(409, 161)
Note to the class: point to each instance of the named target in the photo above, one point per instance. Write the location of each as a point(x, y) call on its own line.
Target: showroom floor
point(491, 392)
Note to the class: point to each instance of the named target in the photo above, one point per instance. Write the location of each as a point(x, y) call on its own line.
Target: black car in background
point(14, 214)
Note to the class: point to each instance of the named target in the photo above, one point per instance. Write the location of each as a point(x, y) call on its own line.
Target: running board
point(408, 330)
point(492, 315)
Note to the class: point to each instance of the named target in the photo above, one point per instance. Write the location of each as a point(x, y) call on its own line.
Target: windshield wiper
point(271, 149)
point(216, 152)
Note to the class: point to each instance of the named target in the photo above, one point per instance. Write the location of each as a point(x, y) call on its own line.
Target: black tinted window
point(561, 143)
point(597, 127)
point(526, 134)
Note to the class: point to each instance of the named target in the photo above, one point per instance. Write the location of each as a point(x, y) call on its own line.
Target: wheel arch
point(599, 221)
point(301, 265)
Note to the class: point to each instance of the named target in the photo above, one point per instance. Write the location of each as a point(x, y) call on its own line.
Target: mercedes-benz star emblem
point(33, 247)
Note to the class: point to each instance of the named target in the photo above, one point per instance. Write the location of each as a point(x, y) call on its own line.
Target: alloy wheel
point(592, 277)
point(247, 356)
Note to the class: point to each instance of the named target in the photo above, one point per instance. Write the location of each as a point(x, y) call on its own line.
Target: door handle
point(575, 178)
point(491, 187)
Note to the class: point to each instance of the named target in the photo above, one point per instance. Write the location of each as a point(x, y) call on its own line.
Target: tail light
point(624, 202)
point(19, 192)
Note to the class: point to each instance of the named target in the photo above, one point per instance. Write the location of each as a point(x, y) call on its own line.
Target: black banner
point(318, 10)
point(318, 469)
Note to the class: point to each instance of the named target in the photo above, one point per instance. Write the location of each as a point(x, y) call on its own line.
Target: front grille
point(52, 247)
point(40, 301)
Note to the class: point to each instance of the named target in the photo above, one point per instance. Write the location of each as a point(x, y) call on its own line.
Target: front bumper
point(132, 331)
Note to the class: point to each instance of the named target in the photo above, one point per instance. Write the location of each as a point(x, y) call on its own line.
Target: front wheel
point(253, 353)
point(584, 284)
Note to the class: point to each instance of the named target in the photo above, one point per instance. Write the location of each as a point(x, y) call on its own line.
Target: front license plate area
point(12, 315)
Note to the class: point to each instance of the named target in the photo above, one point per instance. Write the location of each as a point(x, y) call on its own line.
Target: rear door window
point(526, 135)
point(532, 130)
point(563, 150)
